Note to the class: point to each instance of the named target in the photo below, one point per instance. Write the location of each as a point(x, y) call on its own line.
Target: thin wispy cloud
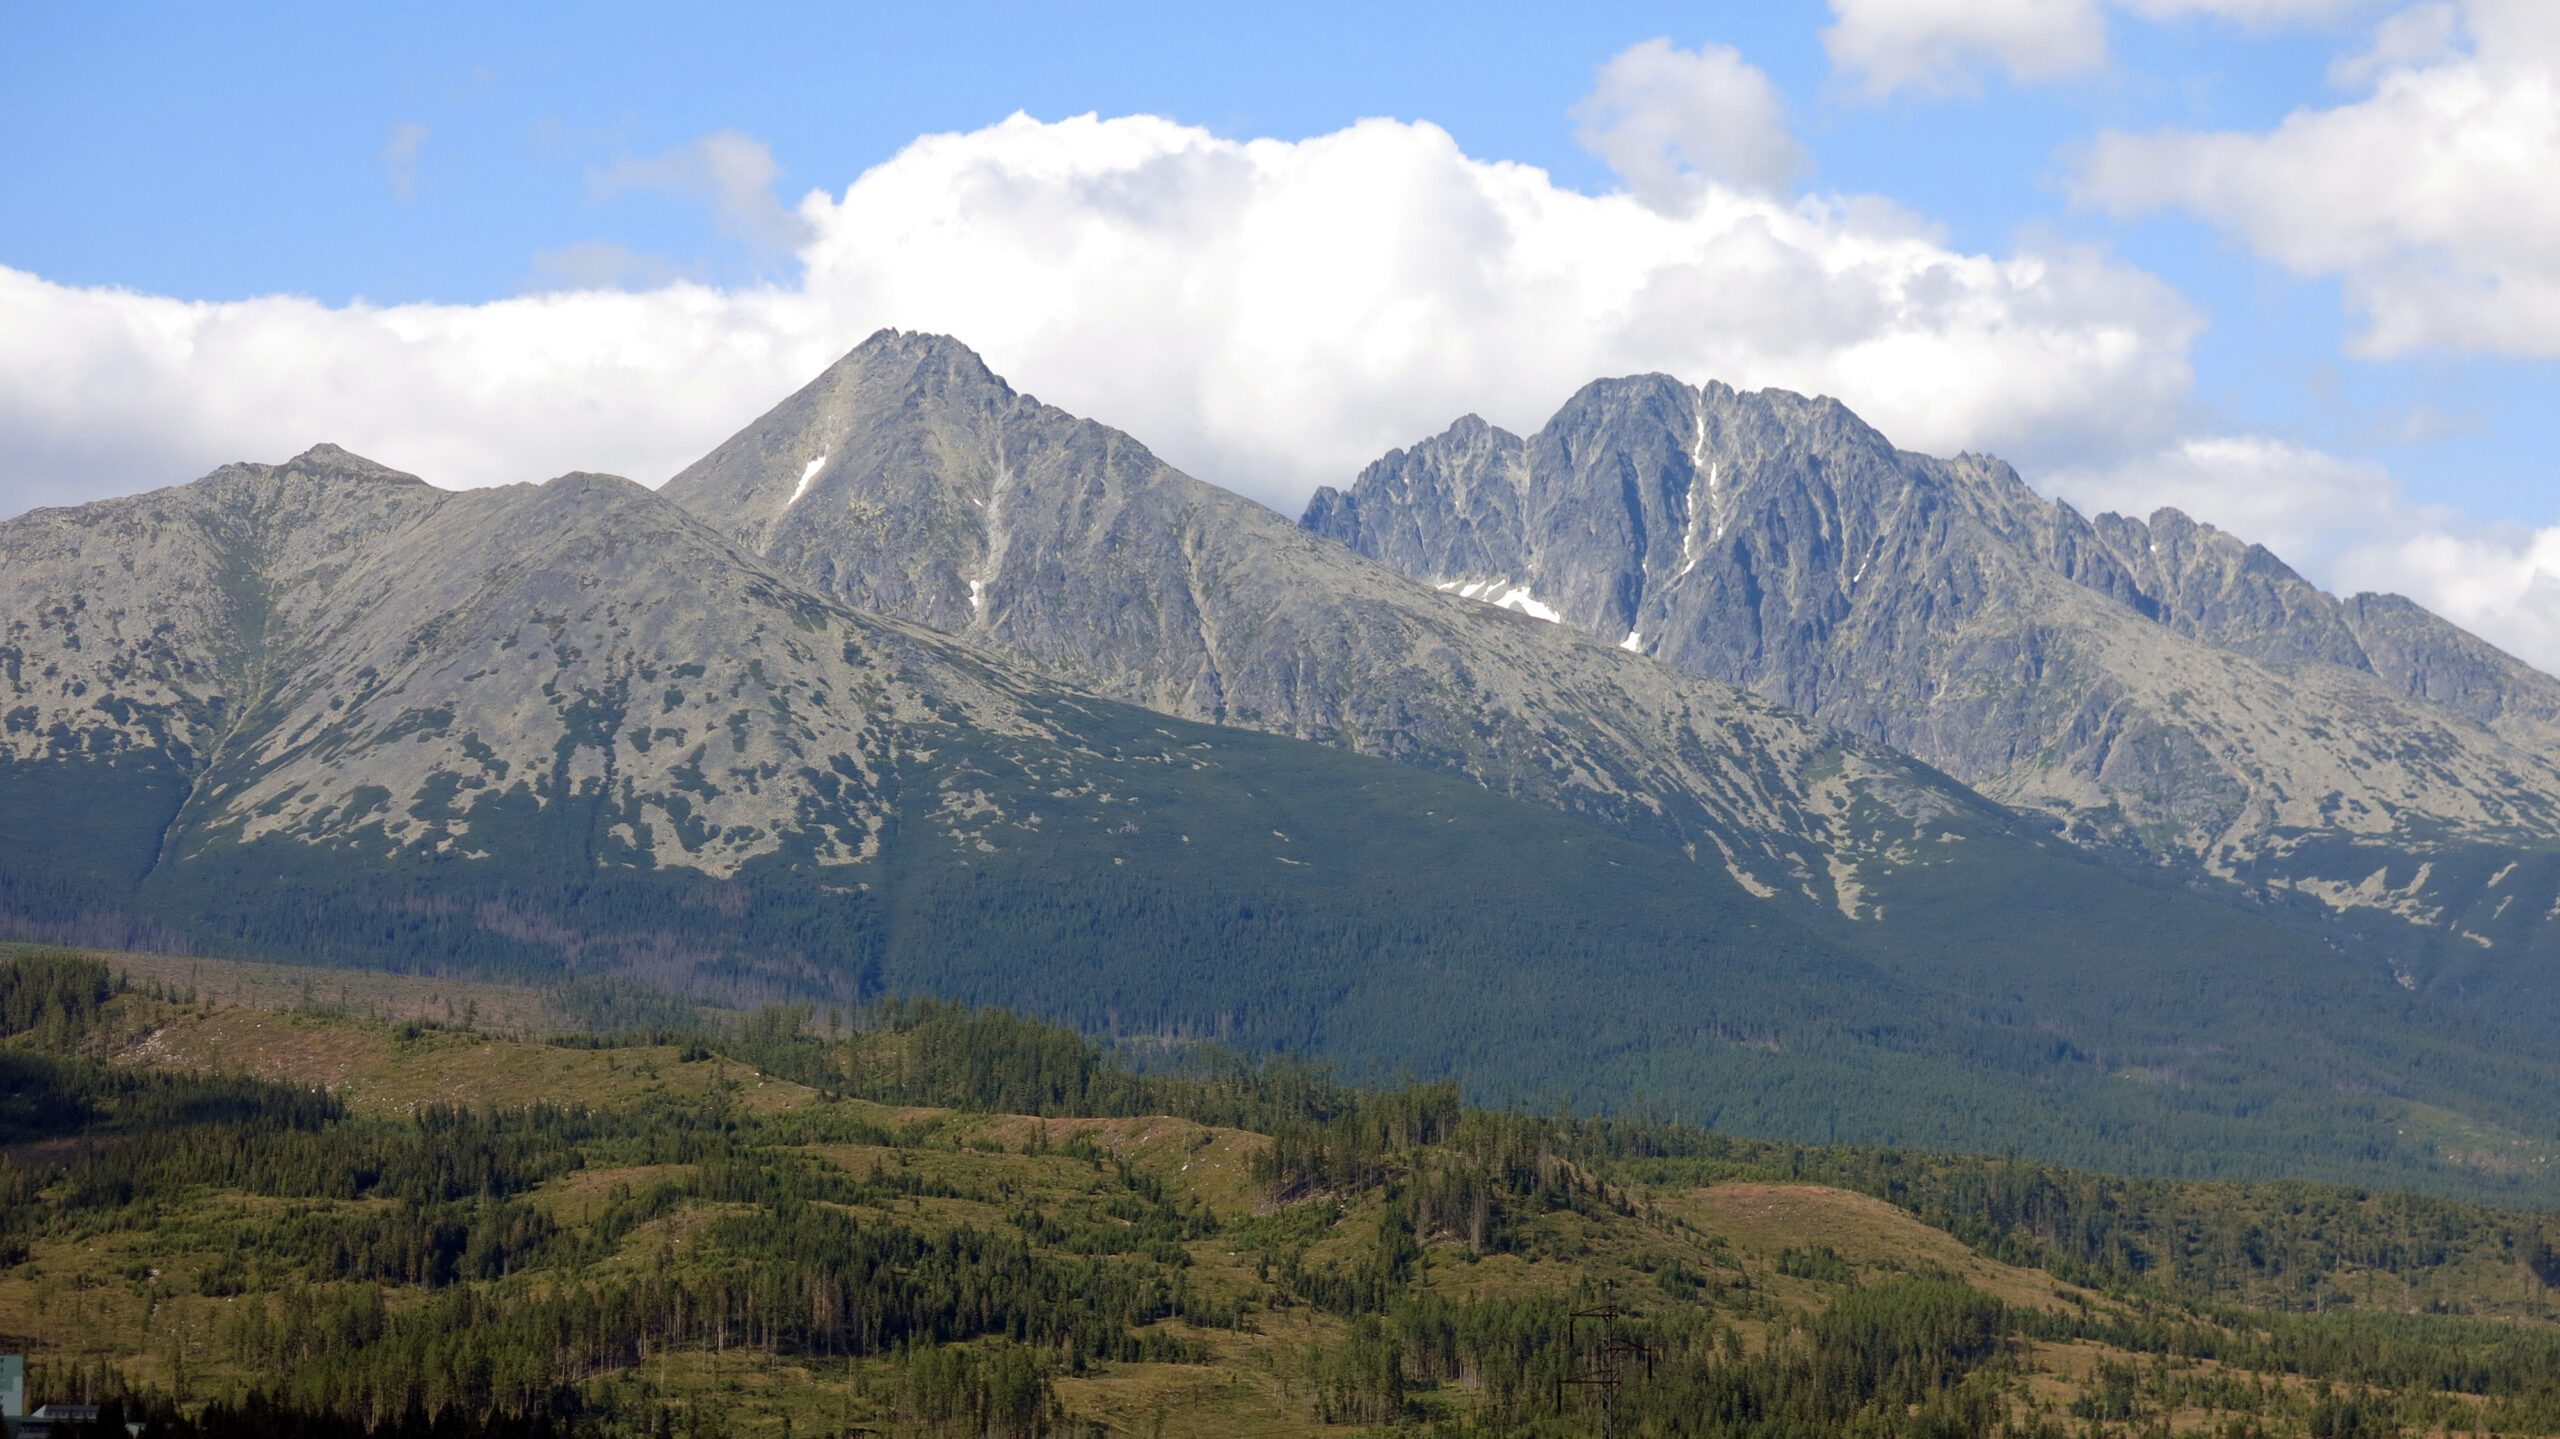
point(1948, 47)
point(603, 265)
point(733, 174)
point(400, 158)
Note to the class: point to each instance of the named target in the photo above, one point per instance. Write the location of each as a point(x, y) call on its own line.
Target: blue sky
point(460, 158)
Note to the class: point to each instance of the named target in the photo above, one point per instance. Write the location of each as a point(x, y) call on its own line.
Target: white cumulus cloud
point(105, 391)
point(2348, 526)
point(1270, 315)
point(1274, 315)
point(1671, 121)
point(2501, 582)
point(2304, 504)
point(2431, 199)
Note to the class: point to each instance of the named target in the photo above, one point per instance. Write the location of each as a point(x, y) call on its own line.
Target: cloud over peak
point(1269, 314)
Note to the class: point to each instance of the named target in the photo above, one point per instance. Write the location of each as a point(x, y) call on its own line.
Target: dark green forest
point(2023, 999)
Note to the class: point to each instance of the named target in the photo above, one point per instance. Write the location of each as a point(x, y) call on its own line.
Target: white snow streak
point(806, 475)
point(1633, 643)
point(1715, 474)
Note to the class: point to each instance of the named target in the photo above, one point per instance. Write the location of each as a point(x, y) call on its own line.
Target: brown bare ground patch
point(1192, 1401)
point(1765, 1218)
point(378, 1071)
point(245, 984)
point(578, 1197)
point(1214, 1163)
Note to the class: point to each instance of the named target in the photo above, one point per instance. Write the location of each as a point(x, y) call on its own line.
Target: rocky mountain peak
point(2154, 684)
point(334, 461)
point(901, 450)
point(1069, 545)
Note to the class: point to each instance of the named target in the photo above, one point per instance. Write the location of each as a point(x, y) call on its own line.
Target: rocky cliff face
point(2154, 686)
point(910, 480)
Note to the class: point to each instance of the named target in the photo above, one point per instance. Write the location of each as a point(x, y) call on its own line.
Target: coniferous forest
point(926, 1218)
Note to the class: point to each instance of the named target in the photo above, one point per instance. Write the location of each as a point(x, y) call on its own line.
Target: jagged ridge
point(2161, 687)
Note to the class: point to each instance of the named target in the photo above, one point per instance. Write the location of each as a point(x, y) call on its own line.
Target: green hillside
point(926, 1219)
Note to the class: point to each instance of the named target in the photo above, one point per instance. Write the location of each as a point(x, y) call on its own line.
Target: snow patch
point(1502, 594)
point(1519, 598)
point(1633, 643)
point(808, 473)
point(977, 597)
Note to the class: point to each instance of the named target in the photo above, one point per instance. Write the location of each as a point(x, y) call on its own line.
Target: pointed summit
point(818, 448)
point(340, 463)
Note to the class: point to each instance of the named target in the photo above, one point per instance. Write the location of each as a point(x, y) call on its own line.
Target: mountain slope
point(911, 481)
point(909, 478)
point(324, 711)
point(321, 711)
point(2159, 689)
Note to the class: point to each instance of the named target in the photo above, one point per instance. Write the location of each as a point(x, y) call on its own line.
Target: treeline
point(1476, 1177)
point(924, 1051)
point(795, 1279)
point(1899, 1358)
point(55, 995)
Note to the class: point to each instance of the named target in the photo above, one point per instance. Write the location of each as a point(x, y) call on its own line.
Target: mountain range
point(1704, 749)
point(2156, 689)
